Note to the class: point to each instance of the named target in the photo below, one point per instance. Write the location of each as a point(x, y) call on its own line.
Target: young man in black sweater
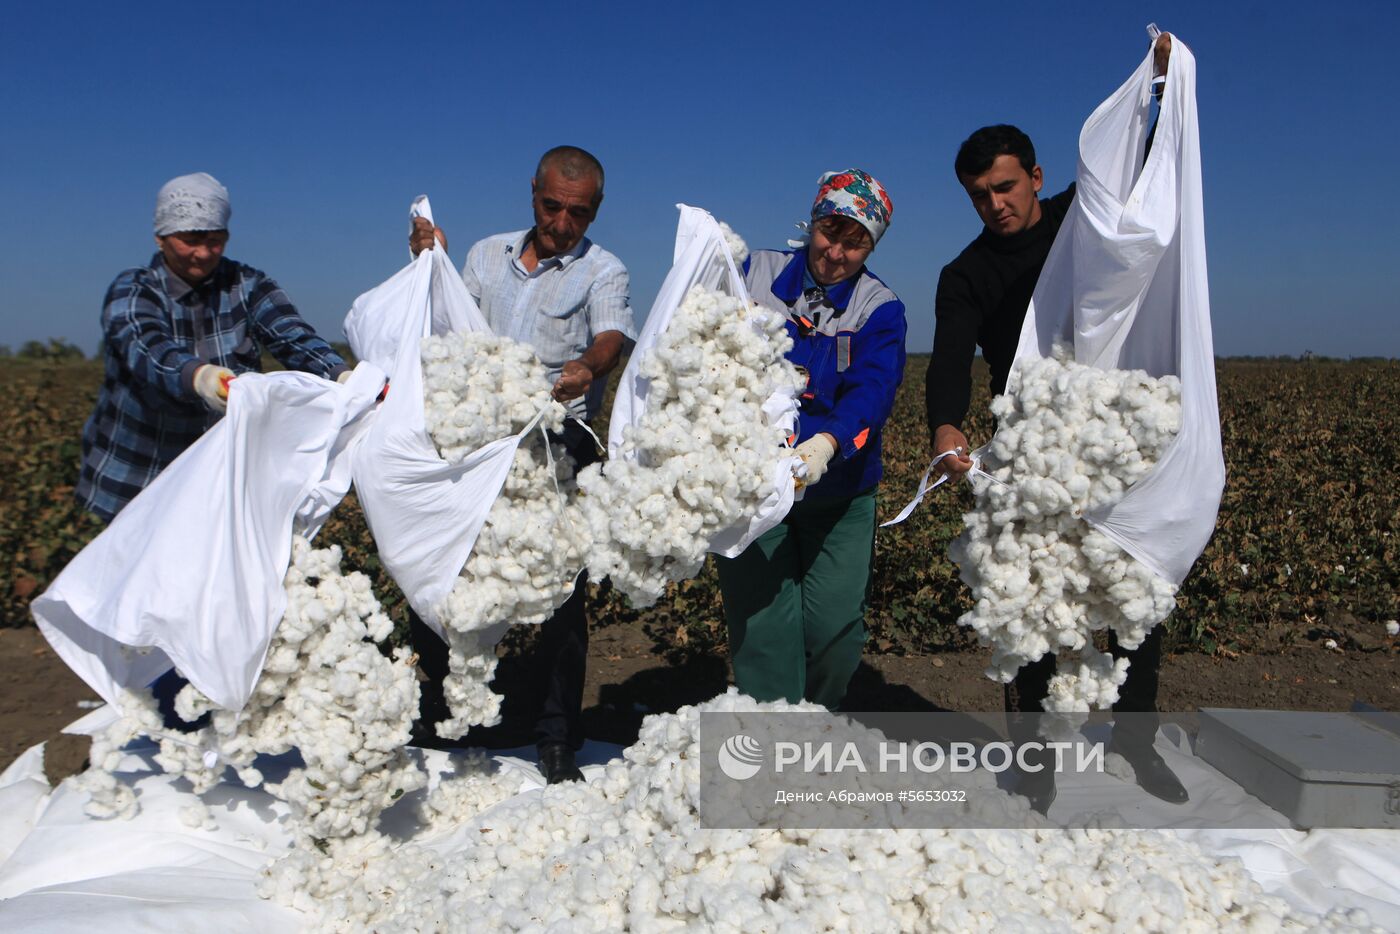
point(981, 301)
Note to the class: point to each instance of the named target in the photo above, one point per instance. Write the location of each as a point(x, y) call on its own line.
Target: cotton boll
point(737, 247)
point(108, 797)
point(197, 816)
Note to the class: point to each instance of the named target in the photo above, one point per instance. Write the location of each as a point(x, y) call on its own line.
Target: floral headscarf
point(854, 194)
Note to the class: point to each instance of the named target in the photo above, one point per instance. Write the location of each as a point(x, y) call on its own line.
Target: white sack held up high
point(1125, 286)
point(190, 572)
point(423, 511)
point(702, 459)
point(1106, 466)
point(704, 256)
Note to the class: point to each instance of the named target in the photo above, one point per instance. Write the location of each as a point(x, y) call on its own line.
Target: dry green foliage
point(41, 526)
point(1305, 545)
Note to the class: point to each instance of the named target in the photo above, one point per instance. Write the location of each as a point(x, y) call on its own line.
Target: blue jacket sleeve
point(875, 372)
point(283, 331)
point(136, 326)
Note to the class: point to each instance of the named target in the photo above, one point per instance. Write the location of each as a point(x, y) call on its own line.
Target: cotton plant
point(626, 851)
point(704, 450)
point(1071, 438)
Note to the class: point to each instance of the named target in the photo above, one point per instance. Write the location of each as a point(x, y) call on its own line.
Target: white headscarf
point(192, 202)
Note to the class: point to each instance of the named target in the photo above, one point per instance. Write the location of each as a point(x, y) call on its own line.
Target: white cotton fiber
point(1070, 438)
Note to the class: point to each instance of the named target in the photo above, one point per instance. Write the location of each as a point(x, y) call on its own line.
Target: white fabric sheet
point(424, 513)
point(702, 257)
point(69, 873)
point(192, 568)
point(1125, 285)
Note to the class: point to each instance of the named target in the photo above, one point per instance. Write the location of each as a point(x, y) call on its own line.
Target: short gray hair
point(572, 163)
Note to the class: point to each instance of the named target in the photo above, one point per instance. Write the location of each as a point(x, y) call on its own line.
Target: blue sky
point(324, 121)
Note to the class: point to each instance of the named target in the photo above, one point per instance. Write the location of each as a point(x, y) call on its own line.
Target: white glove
point(816, 452)
point(211, 382)
point(344, 377)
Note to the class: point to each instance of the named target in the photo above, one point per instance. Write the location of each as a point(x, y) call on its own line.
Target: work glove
point(816, 452)
point(211, 382)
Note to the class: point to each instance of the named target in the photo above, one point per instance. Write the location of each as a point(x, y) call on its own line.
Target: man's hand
point(211, 382)
point(421, 237)
point(948, 438)
point(1161, 52)
point(816, 452)
point(596, 362)
point(574, 380)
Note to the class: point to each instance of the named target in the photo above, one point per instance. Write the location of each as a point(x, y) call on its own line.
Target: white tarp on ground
point(66, 872)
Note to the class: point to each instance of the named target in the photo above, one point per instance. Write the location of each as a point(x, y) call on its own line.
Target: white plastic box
point(1319, 769)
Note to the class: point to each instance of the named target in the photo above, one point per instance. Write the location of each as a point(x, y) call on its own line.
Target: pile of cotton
point(326, 690)
point(704, 451)
point(705, 455)
point(626, 851)
point(1070, 438)
point(480, 388)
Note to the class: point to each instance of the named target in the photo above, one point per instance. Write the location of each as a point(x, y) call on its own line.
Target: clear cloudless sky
point(325, 120)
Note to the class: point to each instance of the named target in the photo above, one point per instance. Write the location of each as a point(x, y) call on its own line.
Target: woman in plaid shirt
point(175, 331)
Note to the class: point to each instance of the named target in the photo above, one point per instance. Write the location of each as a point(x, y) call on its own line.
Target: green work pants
point(795, 601)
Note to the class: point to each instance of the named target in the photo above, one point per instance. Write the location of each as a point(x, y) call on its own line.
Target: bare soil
point(627, 679)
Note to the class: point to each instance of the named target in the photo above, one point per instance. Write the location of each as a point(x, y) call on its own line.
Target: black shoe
point(1153, 775)
point(557, 763)
point(1038, 788)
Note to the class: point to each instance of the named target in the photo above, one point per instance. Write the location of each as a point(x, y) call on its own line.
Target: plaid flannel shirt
point(558, 309)
point(157, 330)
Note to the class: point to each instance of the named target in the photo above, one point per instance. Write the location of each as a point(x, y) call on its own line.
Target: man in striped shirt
point(174, 332)
point(556, 290)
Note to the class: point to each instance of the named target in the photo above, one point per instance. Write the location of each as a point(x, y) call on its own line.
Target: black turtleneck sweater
point(982, 300)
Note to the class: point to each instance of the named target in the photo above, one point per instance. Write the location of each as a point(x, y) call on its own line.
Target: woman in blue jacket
point(795, 599)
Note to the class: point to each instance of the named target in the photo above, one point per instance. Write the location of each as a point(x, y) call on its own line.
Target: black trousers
point(1138, 695)
point(559, 663)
